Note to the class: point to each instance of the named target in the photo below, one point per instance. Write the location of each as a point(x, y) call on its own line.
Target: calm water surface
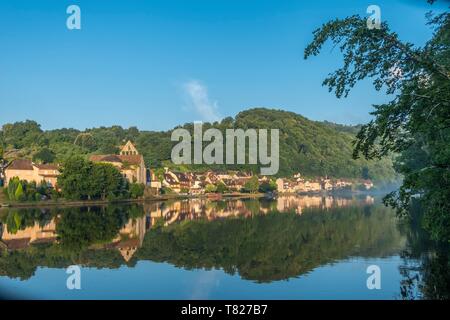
point(311, 247)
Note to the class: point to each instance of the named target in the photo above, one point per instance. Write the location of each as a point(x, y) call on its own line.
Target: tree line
point(309, 147)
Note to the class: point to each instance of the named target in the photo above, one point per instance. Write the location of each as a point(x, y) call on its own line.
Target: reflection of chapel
point(130, 238)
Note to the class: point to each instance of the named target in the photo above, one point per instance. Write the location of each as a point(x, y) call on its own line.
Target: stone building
point(129, 162)
point(27, 170)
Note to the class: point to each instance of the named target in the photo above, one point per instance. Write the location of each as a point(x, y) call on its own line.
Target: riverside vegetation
point(310, 147)
point(415, 124)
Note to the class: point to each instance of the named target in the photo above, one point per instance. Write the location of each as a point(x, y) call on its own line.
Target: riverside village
point(156, 183)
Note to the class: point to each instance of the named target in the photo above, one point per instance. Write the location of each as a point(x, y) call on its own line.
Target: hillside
point(310, 147)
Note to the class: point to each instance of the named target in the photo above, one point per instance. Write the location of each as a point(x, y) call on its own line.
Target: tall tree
point(416, 123)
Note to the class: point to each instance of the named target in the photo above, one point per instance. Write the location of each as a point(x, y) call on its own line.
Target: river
point(292, 247)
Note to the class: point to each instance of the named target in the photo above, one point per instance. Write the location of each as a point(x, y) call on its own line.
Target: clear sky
point(157, 64)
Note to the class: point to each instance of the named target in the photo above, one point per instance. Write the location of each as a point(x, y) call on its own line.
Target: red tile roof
point(47, 166)
point(131, 159)
point(20, 164)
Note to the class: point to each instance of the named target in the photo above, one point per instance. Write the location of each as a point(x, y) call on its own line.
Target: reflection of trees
point(263, 247)
point(428, 276)
point(23, 263)
point(78, 230)
point(260, 247)
point(19, 219)
point(274, 246)
point(81, 227)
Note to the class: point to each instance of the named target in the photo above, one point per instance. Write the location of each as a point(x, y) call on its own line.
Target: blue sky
point(157, 64)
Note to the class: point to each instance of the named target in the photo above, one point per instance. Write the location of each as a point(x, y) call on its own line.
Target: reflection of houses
point(131, 236)
point(27, 170)
point(30, 235)
point(130, 163)
point(297, 203)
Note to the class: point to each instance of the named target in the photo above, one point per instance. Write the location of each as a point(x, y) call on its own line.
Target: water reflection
point(24, 227)
point(259, 239)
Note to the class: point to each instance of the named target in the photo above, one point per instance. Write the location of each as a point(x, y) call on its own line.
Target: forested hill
point(309, 147)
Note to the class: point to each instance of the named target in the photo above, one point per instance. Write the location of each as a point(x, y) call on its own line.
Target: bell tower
point(128, 149)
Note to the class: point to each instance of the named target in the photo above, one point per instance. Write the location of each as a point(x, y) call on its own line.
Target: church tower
point(128, 149)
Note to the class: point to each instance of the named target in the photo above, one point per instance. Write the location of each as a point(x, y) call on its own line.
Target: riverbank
point(83, 203)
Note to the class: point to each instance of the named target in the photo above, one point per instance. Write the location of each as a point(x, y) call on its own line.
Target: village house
point(211, 177)
point(368, 184)
point(155, 184)
point(129, 162)
point(341, 184)
point(299, 185)
point(313, 186)
point(197, 184)
point(177, 181)
point(27, 170)
point(184, 179)
point(327, 185)
point(170, 180)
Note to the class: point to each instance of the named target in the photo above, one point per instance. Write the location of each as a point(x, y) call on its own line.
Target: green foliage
point(221, 188)
point(74, 179)
point(44, 155)
point(86, 141)
point(252, 185)
point(106, 181)
point(12, 187)
point(136, 190)
point(184, 190)
point(415, 123)
point(3, 194)
point(269, 186)
point(22, 134)
point(365, 173)
point(210, 188)
point(310, 147)
point(166, 190)
point(28, 191)
point(81, 180)
point(19, 194)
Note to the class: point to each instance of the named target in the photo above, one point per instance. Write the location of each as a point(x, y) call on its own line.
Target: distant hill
point(309, 147)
